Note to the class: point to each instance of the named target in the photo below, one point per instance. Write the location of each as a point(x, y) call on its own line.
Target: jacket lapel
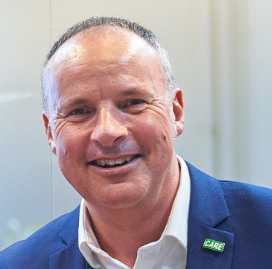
point(69, 256)
point(207, 209)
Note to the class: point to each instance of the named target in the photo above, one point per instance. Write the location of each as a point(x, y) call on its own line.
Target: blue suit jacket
point(240, 215)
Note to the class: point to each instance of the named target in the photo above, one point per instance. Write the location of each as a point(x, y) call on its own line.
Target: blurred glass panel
point(25, 159)
point(25, 165)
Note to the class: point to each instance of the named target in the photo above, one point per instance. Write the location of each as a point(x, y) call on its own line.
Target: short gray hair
point(146, 34)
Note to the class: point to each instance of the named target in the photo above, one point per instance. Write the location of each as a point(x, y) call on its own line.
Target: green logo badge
point(213, 245)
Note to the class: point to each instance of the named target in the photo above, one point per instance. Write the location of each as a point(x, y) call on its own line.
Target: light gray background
point(222, 57)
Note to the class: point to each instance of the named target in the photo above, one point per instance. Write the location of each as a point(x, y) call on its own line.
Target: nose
point(108, 131)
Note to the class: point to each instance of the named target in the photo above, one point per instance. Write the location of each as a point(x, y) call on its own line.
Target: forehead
point(112, 54)
point(102, 45)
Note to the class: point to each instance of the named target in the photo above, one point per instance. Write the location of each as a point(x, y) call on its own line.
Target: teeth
point(128, 158)
point(119, 161)
point(111, 162)
point(103, 162)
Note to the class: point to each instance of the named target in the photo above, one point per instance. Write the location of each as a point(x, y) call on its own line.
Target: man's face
point(109, 118)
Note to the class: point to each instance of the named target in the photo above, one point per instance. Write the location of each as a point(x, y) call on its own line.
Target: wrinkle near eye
point(158, 108)
point(59, 125)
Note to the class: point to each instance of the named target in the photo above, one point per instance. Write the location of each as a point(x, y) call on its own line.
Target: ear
point(48, 132)
point(178, 111)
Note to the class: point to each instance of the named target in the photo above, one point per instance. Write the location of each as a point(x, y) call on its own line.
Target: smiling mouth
point(114, 163)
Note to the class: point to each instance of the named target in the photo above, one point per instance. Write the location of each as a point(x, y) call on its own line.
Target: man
point(111, 112)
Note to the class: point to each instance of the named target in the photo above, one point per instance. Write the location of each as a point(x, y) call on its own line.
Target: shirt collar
point(177, 225)
point(86, 242)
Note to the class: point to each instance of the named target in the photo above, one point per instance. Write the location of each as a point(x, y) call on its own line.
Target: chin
point(121, 197)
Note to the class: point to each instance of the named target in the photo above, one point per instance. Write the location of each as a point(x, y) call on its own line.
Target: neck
point(121, 232)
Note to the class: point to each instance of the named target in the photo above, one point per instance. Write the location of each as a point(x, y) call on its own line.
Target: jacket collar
point(207, 209)
point(69, 231)
point(69, 256)
point(207, 204)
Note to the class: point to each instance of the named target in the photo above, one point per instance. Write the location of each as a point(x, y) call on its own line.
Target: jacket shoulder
point(250, 220)
point(237, 195)
point(34, 251)
point(252, 202)
point(240, 189)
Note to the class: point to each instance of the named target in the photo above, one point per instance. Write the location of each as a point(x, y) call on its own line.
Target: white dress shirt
point(169, 252)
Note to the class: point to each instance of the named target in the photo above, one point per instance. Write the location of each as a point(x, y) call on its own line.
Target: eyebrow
point(74, 102)
point(131, 92)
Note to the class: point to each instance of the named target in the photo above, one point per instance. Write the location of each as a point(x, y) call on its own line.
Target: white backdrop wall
point(222, 57)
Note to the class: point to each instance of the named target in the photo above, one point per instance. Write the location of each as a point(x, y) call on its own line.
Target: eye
point(79, 115)
point(134, 106)
point(79, 112)
point(135, 102)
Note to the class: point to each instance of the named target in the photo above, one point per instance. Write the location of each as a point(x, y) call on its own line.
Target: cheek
point(71, 156)
point(153, 132)
point(153, 125)
point(71, 143)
